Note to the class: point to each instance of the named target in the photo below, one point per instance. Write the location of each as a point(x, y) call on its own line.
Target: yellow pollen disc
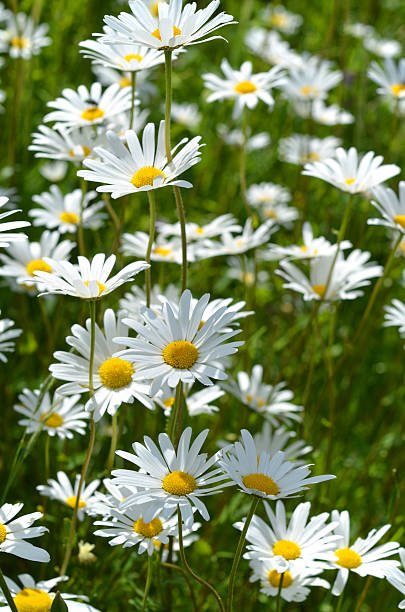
point(278, 20)
point(311, 157)
point(260, 402)
point(69, 217)
point(92, 113)
point(245, 87)
point(287, 549)
point(168, 402)
point(270, 213)
point(162, 251)
point(397, 89)
point(32, 600)
point(261, 482)
point(179, 483)
point(148, 530)
point(249, 398)
point(239, 243)
point(274, 578)
point(132, 56)
point(85, 151)
point(54, 420)
point(116, 373)
point(319, 289)
point(176, 32)
point(180, 354)
point(308, 90)
point(350, 181)
point(19, 41)
point(101, 287)
point(3, 533)
point(347, 558)
point(37, 265)
point(125, 82)
point(304, 249)
point(249, 278)
point(145, 176)
point(400, 219)
point(71, 501)
point(199, 230)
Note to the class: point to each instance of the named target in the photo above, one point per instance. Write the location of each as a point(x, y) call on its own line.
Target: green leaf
point(58, 604)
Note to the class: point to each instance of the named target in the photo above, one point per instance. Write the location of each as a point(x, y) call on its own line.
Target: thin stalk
point(280, 587)
point(174, 412)
point(340, 602)
point(47, 463)
point(238, 554)
point(148, 582)
point(152, 221)
point(133, 84)
point(242, 163)
point(172, 566)
point(363, 594)
point(80, 231)
point(111, 212)
point(188, 569)
point(15, 111)
point(7, 594)
point(114, 440)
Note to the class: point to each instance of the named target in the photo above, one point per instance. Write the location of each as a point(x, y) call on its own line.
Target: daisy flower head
point(113, 382)
point(7, 336)
point(174, 26)
point(88, 280)
point(14, 532)
point(65, 212)
point(123, 170)
point(311, 247)
point(299, 149)
point(254, 142)
point(59, 416)
point(168, 479)
point(352, 174)
point(62, 490)
point(267, 194)
point(5, 236)
point(397, 578)
point(24, 36)
point(278, 17)
point(186, 114)
point(395, 316)
point(390, 78)
point(312, 81)
point(363, 557)
point(194, 231)
point(71, 145)
point(231, 244)
point(178, 345)
point(243, 86)
point(32, 596)
point(263, 476)
point(383, 47)
point(245, 271)
point(391, 207)
point(163, 249)
point(134, 301)
point(325, 115)
point(273, 49)
point(54, 171)
point(271, 441)
point(88, 107)
point(196, 403)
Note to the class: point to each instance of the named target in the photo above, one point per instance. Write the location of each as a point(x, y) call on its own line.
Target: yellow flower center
point(125, 82)
point(101, 287)
point(274, 578)
point(350, 181)
point(3, 533)
point(116, 373)
point(180, 354)
point(310, 157)
point(132, 56)
point(199, 230)
point(179, 483)
point(148, 530)
point(397, 88)
point(347, 558)
point(261, 482)
point(248, 278)
point(19, 41)
point(287, 549)
point(71, 501)
point(69, 217)
point(85, 151)
point(145, 176)
point(162, 251)
point(92, 113)
point(245, 87)
point(168, 402)
point(278, 20)
point(319, 289)
point(270, 213)
point(307, 90)
point(37, 265)
point(400, 219)
point(53, 420)
point(176, 32)
point(32, 600)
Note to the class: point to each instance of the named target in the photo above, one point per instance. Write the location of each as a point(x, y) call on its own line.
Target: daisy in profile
point(7, 336)
point(268, 45)
point(88, 280)
point(186, 114)
point(163, 248)
point(299, 149)
point(88, 107)
point(194, 231)
point(390, 78)
point(273, 402)
point(383, 47)
point(311, 247)
point(62, 490)
point(278, 17)
point(123, 170)
point(196, 403)
point(263, 476)
point(391, 207)
point(296, 545)
point(54, 172)
point(59, 143)
point(244, 87)
point(271, 440)
point(172, 346)
point(14, 532)
point(236, 138)
point(5, 236)
point(64, 212)
point(267, 194)
point(349, 173)
point(397, 578)
point(174, 26)
point(113, 382)
point(32, 596)
point(319, 112)
point(61, 416)
point(236, 244)
point(395, 316)
point(363, 557)
point(169, 479)
point(24, 36)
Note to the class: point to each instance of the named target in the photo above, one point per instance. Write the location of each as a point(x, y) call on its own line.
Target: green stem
point(6, 592)
point(188, 569)
point(238, 554)
point(340, 602)
point(47, 470)
point(133, 84)
point(242, 163)
point(363, 594)
point(80, 231)
point(172, 566)
point(280, 587)
point(152, 221)
point(175, 412)
point(148, 582)
point(114, 440)
point(111, 212)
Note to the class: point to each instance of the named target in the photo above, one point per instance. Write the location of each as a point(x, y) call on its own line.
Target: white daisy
point(384, 47)
point(14, 532)
point(397, 578)
point(173, 346)
point(278, 17)
point(170, 479)
point(163, 249)
point(273, 440)
point(264, 476)
point(231, 244)
point(391, 206)
point(236, 137)
point(271, 47)
point(311, 247)
point(390, 78)
point(86, 107)
point(359, 30)
point(63, 212)
point(105, 502)
point(5, 236)
point(194, 231)
point(113, 382)
point(134, 301)
point(243, 86)
point(300, 149)
point(245, 271)
point(62, 490)
point(61, 416)
point(196, 403)
point(349, 173)
point(140, 168)
point(267, 194)
point(67, 145)
point(319, 112)
point(186, 114)
point(6, 337)
point(311, 81)
point(395, 316)
point(88, 279)
point(25, 38)
point(362, 557)
point(54, 171)
point(174, 26)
